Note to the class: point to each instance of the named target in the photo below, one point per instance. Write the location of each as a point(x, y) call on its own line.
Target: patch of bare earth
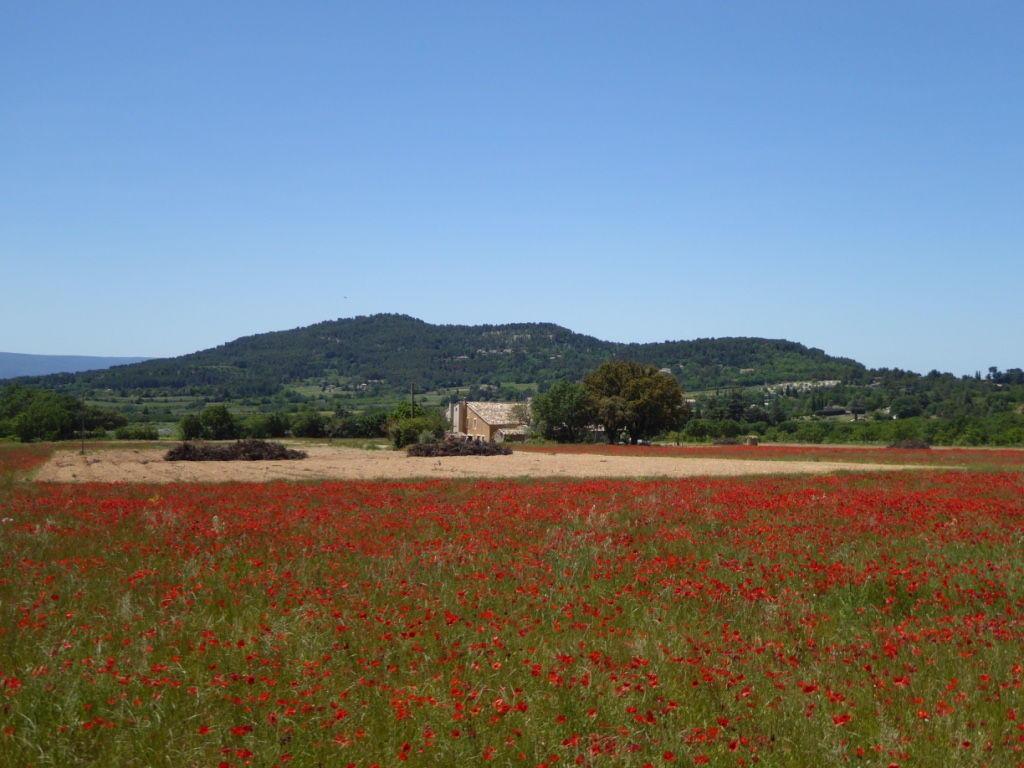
point(146, 465)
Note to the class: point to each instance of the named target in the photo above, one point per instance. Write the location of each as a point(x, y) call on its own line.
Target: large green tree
point(47, 417)
point(635, 399)
point(564, 412)
point(219, 423)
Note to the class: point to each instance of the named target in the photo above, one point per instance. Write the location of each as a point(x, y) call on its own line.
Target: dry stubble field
point(862, 618)
point(327, 462)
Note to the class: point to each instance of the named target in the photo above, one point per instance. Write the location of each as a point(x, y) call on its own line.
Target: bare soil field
point(146, 465)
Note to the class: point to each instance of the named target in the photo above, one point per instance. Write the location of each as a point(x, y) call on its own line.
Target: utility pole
point(81, 432)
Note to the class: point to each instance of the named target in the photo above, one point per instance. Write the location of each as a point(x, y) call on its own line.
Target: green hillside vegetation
point(389, 354)
point(342, 379)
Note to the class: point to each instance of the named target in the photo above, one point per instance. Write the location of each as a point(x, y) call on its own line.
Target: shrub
point(262, 426)
point(191, 427)
point(697, 429)
point(726, 428)
point(369, 425)
point(407, 410)
point(219, 423)
point(408, 431)
point(811, 431)
point(309, 424)
point(278, 424)
point(905, 407)
point(372, 424)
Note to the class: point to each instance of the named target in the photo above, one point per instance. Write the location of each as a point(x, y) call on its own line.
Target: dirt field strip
point(145, 465)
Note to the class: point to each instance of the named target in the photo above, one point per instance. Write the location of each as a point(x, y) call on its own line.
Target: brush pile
point(240, 450)
point(911, 444)
point(453, 446)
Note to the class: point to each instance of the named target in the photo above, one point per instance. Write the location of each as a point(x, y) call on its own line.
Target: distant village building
point(494, 422)
point(784, 387)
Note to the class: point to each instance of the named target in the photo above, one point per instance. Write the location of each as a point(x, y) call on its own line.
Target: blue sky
point(847, 175)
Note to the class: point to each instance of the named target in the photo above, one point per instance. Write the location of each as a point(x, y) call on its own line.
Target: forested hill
point(397, 351)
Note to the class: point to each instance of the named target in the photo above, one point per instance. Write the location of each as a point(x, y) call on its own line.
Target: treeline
point(998, 430)
point(40, 415)
point(407, 423)
point(34, 414)
point(893, 407)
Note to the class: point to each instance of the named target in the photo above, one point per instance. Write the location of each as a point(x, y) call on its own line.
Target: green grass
point(328, 624)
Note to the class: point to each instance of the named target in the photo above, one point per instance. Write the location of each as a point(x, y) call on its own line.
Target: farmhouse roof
point(496, 414)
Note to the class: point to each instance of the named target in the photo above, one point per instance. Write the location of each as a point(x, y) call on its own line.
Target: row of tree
point(1004, 429)
point(893, 394)
point(631, 401)
point(30, 414)
point(36, 414)
point(407, 423)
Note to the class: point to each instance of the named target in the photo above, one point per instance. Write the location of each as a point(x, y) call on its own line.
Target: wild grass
point(854, 620)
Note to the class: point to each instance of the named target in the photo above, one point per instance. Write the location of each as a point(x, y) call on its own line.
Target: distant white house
point(494, 422)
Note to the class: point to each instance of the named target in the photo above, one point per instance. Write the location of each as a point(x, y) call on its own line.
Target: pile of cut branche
point(240, 450)
point(910, 444)
point(454, 446)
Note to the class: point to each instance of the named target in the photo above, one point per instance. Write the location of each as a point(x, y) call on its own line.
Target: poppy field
point(975, 458)
point(862, 620)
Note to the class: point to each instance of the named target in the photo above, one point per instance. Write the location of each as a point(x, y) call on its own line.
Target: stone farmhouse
point(494, 422)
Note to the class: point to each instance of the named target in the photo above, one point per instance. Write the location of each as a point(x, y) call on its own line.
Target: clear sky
point(848, 175)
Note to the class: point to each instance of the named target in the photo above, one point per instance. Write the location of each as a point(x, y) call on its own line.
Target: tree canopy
point(34, 414)
point(564, 412)
point(634, 398)
point(394, 352)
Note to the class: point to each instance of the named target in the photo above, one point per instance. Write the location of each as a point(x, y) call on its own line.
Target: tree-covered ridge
point(398, 352)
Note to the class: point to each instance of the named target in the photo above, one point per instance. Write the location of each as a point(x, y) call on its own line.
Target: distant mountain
point(13, 364)
point(393, 352)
